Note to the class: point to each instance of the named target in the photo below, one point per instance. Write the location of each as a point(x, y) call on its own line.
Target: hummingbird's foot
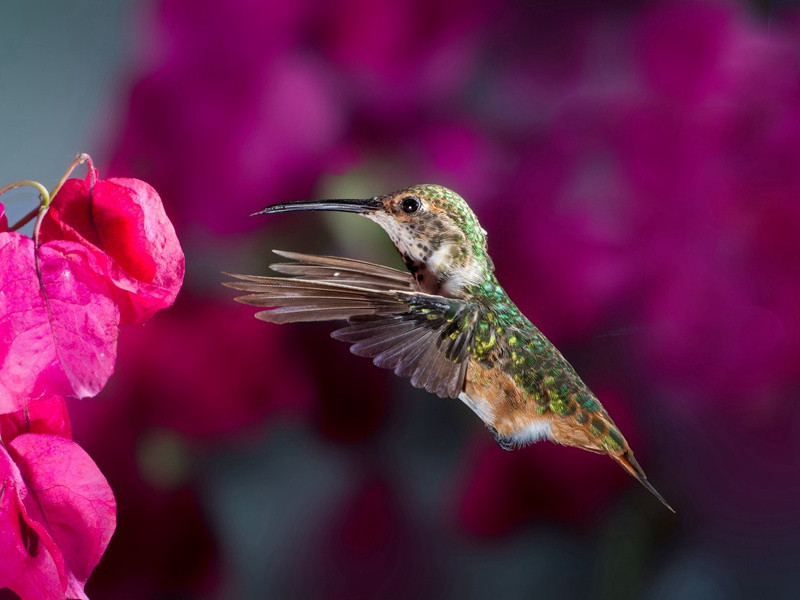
point(505, 443)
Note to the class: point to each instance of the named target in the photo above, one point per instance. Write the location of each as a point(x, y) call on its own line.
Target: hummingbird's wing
point(428, 340)
point(421, 336)
point(347, 271)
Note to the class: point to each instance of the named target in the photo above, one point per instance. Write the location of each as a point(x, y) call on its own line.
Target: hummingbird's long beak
point(354, 206)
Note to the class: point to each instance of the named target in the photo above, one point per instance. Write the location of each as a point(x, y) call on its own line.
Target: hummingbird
point(446, 323)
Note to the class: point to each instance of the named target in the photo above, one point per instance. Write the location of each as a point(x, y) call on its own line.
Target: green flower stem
point(77, 161)
point(45, 205)
point(46, 197)
point(43, 194)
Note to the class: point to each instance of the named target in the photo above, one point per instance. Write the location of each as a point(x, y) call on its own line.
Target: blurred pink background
point(637, 166)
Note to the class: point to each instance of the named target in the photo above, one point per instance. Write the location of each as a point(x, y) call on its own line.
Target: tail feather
point(630, 464)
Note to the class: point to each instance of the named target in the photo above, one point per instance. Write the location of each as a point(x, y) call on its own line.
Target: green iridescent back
point(505, 338)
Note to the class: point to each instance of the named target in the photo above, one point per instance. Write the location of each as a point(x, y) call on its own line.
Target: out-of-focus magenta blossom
point(721, 175)
point(264, 121)
point(402, 59)
point(57, 514)
point(637, 163)
point(668, 195)
point(256, 127)
point(3, 218)
point(210, 370)
point(124, 224)
point(690, 52)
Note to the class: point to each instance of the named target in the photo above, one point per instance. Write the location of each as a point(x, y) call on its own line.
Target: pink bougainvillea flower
point(58, 322)
point(42, 415)
point(124, 224)
point(57, 514)
point(105, 251)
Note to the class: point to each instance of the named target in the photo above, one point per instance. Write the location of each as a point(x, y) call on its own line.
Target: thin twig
point(26, 182)
point(78, 160)
point(24, 220)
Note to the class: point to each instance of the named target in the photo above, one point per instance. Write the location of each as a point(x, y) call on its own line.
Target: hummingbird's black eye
point(410, 204)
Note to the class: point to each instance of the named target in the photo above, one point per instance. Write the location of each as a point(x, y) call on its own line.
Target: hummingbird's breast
point(504, 406)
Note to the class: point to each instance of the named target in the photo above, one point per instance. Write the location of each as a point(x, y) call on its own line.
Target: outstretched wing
point(417, 335)
point(427, 340)
point(347, 271)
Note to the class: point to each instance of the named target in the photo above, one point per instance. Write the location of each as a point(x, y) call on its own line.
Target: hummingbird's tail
point(629, 463)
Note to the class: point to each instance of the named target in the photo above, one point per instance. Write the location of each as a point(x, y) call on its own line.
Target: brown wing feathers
point(298, 300)
point(346, 271)
point(379, 304)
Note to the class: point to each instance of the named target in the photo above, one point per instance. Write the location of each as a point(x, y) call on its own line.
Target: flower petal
point(30, 563)
point(40, 415)
point(124, 223)
point(77, 503)
point(58, 327)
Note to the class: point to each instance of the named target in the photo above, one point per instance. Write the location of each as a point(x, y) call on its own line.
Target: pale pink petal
point(30, 563)
point(58, 330)
point(77, 503)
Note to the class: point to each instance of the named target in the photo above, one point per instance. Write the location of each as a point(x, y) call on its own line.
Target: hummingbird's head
point(438, 236)
point(432, 227)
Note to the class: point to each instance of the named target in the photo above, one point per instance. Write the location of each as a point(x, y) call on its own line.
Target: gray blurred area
point(62, 67)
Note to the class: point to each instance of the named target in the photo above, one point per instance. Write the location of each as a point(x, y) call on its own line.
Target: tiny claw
point(504, 442)
point(630, 464)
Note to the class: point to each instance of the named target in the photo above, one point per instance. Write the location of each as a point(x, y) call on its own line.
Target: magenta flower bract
point(124, 224)
point(57, 517)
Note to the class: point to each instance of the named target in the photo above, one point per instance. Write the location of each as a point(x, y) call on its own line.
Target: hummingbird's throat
point(438, 257)
point(446, 270)
point(425, 279)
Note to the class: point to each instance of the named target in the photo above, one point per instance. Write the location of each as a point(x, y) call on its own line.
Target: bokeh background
point(637, 166)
